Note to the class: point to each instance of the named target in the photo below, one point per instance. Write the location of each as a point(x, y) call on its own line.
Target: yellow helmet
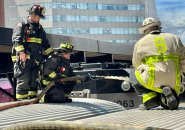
point(65, 47)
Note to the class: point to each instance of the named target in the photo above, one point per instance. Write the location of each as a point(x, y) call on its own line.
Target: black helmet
point(37, 10)
point(65, 47)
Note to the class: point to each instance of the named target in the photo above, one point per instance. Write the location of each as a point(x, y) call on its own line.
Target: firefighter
point(57, 66)
point(158, 59)
point(29, 44)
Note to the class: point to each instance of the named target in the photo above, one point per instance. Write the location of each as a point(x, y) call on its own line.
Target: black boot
point(68, 100)
point(171, 100)
point(152, 103)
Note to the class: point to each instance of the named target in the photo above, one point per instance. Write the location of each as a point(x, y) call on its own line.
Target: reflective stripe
point(45, 82)
point(21, 96)
point(34, 39)
point(28, 57)
point(160, 45)
point(148, 96)
point(15, 58)
point(160, 58)
point(178, 77)
point(32, 93)
point(63, 75)
point(151, 72)
point(19, 48)
point(52, 75)
point(49, 50)
point(150, 84)
point(42, 99)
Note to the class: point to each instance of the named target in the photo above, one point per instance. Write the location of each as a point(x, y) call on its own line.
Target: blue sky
point(172, 15)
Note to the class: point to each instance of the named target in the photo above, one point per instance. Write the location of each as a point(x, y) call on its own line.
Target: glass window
point(95, 18)
point(83, 18)
point(99, 6)
point(93, 31)
point(63, 18)
point(77, 18)
point(68, 5)
point(47, 5)
point(92, 6)
point(104, 7)
point(59, 5)
point(73, 6)
point(56, 18)
point(109, 7)
point(82, 6)
point(54, 5)
point(86, 6)
point(70, 18)
point(107, 31)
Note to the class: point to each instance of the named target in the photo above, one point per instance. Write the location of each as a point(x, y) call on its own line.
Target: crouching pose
point(158, 59)
point(56, 67)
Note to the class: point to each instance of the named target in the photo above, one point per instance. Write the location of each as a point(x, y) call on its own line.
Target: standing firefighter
point(159, 59)
point(57, 66)
point(29, 41)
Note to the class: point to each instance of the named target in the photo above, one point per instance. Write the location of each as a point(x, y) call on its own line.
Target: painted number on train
point(126, 103)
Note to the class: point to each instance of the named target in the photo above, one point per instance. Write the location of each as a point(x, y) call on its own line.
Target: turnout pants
point(151, 98)
point(27, 79)
point(59, 93)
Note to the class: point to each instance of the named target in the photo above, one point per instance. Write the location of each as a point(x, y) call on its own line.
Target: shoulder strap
point(26, 26)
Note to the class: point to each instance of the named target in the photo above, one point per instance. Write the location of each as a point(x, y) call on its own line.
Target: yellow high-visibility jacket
point(159, 60)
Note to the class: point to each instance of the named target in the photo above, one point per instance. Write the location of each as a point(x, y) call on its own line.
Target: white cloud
point(173, 22)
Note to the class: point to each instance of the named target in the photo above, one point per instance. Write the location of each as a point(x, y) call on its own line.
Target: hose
point(71, 125)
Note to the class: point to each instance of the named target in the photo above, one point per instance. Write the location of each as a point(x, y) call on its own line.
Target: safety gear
point(65, 47)
point(158, 62)
point(150, 100)
point(149, 22)
point(37, 10)
point(68, 100)
point(152, 104)
point(32, 94)
point(30, 38)
point(20, 97)
point(158, 59)
point(56, 68)
point(170, 99)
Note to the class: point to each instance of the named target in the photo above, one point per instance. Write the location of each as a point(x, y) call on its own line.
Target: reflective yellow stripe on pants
point(150, 62)
point(148, 96)
point(21, 96)
point(32, 93)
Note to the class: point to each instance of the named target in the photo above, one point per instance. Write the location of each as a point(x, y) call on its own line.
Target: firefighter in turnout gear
point(57, 66)
point(29, 45)
point(159, 60)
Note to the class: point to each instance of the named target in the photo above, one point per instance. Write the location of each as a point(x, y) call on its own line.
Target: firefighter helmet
point(37, 10)
point(65, 47)
point(149, 22)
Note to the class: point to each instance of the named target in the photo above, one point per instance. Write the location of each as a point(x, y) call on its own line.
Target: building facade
point(115, 21)
point(2, 18)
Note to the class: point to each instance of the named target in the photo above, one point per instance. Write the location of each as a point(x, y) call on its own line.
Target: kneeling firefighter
point(159, 60)
point(57, 66)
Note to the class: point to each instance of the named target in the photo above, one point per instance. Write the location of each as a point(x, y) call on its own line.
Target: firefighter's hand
point(22, 56)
